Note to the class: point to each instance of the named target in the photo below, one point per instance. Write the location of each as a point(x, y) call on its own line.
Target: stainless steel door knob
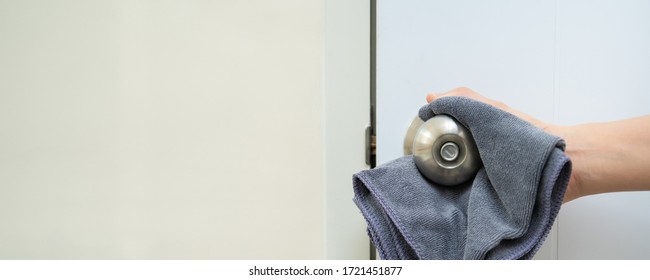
point(443, 149)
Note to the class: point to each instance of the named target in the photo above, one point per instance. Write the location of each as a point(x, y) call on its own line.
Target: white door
point(565, 62)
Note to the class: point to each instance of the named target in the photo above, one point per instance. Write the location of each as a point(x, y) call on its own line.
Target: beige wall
point(161, 129)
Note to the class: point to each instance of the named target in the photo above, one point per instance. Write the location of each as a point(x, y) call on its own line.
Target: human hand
point(466, 92)
point(572, 189)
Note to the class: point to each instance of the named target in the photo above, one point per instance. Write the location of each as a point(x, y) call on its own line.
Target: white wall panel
point(502, 49)
point(603, 76)
point(505, 50)
point(566, 62)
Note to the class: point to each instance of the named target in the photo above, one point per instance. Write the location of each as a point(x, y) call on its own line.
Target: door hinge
point(371, 147)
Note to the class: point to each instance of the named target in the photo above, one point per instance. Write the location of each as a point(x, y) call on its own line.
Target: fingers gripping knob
point(443, 149)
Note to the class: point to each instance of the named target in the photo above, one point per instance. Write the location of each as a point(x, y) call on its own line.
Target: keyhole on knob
point(449, 151)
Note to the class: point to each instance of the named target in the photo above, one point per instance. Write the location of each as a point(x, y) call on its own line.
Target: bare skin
point(607, 157)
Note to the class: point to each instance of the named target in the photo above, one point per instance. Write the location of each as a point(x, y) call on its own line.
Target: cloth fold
point(505, 212)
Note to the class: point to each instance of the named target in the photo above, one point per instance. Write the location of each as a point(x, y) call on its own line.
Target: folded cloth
point(504, 212)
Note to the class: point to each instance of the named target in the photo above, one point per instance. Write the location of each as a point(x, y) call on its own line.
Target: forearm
point(607, 157)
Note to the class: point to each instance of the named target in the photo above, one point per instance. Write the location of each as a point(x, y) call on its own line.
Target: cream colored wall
point(162, 129)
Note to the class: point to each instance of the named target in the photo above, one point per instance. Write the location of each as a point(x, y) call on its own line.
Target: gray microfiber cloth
point(505, 212)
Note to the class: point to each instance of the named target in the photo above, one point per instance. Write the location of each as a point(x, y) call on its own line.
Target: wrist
point(573, 151)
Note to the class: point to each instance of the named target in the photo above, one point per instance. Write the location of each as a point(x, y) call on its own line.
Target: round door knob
point(444, 150)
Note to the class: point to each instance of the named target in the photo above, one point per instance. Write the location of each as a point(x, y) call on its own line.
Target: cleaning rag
point(504, 212)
